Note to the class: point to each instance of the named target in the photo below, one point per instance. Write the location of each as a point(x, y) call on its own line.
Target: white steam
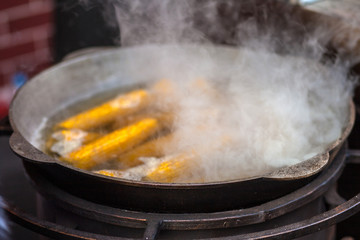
point(260, 111)
point(155, 21)
point(254, 112)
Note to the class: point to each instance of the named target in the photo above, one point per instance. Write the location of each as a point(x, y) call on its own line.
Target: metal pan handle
point(24, 149)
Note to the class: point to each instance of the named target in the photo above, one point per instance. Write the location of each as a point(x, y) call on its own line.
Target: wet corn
point(176, 168)
point(112, 144)
point(65, 141)
point(122, 105)
point(170, 169)
point(125, 121)
point(152, 148)
point(166, 119)
point(74, 134)
point(109, 173)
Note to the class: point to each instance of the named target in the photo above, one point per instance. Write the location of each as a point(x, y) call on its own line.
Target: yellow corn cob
point(122, 105)
point(152, 148)
point(166, 119)
point(110, 173)
point(171, 169)
point(176, 169)
point(71, 134)
point(112, 144)
point(68, 140)
point(121, 121)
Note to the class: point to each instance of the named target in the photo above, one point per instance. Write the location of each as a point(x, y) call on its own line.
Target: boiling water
point(261, 111)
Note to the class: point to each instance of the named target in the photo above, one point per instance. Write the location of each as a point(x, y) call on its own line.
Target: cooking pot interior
point(85, 76)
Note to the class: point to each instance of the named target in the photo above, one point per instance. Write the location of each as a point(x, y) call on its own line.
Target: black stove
point(36, 209)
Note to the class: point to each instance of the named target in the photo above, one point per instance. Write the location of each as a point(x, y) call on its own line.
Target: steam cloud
point(267, 111)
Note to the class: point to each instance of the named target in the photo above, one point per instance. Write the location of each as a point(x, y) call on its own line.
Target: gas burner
point(61, 215)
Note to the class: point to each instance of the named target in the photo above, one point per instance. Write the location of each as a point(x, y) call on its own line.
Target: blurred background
point(35, 34)
point(26, 42)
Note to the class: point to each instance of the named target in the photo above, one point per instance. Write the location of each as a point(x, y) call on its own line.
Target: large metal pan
point(85, 75)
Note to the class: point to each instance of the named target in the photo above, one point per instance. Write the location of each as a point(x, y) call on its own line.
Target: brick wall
point(26, 30)
point(25, 36)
